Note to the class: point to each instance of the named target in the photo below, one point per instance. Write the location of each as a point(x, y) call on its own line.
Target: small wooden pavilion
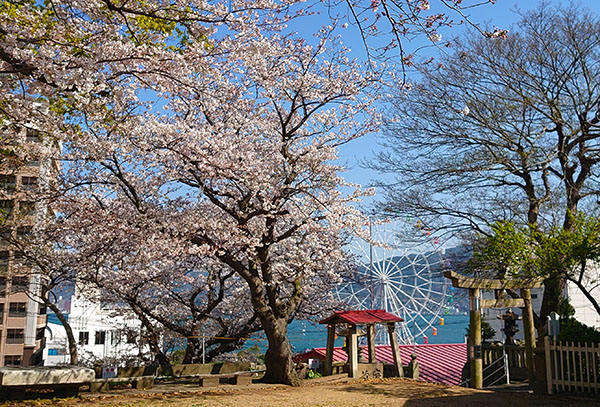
point(368, 318)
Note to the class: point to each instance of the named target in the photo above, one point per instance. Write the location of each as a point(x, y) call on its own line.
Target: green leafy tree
point(572, 255)
point(520, 252)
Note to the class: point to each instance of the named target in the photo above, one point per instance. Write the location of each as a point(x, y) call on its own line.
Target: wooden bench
point(205, 380)
point(215, 379)
point(139, 382)
point(236, 378)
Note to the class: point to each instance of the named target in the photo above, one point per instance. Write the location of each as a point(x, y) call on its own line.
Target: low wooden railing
point(572, 366)
point(515, 354)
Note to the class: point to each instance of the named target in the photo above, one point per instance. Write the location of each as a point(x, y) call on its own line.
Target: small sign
point(554, 325)
point(314, 363)
point(108, 372)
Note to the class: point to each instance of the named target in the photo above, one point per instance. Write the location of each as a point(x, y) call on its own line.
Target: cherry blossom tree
point(240, 172)
point(386, 27)
point(174, 292)
point(204, 135)
point(114, 262)
point(60, 58)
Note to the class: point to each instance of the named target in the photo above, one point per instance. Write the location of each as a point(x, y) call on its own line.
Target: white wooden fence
point(572, 366)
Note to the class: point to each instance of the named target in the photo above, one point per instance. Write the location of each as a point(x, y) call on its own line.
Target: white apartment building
point(102, 334)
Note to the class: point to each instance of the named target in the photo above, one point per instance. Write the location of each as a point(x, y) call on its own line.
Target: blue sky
point(502, 14)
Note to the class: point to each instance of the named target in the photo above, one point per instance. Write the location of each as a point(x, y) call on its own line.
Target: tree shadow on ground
point(421, 394)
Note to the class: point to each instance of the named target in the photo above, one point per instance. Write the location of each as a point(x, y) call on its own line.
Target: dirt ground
point(331, 392)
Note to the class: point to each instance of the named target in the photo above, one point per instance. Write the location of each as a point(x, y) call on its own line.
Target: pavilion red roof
point(361, 317)
point(440, 363)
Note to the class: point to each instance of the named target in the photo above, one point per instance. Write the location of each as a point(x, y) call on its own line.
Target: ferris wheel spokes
point(406, 282)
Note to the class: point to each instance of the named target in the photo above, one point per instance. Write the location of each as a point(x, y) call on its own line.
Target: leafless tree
point(501, 129)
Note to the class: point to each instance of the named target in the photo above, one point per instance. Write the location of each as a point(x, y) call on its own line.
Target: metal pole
point(506, 368)
point(203, 350)
point(371, 293)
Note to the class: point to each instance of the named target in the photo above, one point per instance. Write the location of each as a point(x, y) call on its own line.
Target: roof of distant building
point(440, 363)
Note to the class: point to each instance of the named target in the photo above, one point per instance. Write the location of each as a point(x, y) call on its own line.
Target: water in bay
point(304, 335)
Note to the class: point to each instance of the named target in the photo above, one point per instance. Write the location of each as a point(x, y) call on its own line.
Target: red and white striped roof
point(440, 363)
point(360, 317)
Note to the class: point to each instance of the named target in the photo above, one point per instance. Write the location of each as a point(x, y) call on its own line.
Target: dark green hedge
point(572, 330)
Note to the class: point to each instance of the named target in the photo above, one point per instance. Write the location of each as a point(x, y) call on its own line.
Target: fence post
point(548, 364)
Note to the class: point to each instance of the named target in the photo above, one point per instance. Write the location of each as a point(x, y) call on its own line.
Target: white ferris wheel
point(400, 274)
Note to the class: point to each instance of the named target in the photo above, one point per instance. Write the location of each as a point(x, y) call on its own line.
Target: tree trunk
point(74, 356)
point(161, 358)
point(278, 359)
point(553, 292)
point(192, 351)
point(153, 339)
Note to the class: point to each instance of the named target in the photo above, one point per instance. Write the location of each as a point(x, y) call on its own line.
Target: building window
point(1, 313)
point(6, 207)
point(19, 284)
point(131, 337)
point(2, 288)
point(100, 338)
point(14, 336)
point(5, 235)
point(16, 309)
point(8, 183)
point(39, 333)
point(24, 232)
point(29, 183)
point(32, 136)
point(84, 338)
point(33, 163)
point(43, 310)
point(27, 208)
point(12, 360)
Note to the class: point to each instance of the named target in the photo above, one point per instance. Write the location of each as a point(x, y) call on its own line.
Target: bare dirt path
point(330, 392)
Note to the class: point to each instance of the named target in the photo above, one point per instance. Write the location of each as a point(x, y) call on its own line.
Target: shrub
point(487, 332)
point(312, 374)
point(572, 330)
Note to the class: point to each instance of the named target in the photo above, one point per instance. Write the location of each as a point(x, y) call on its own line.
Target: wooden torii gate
point(475, 285)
